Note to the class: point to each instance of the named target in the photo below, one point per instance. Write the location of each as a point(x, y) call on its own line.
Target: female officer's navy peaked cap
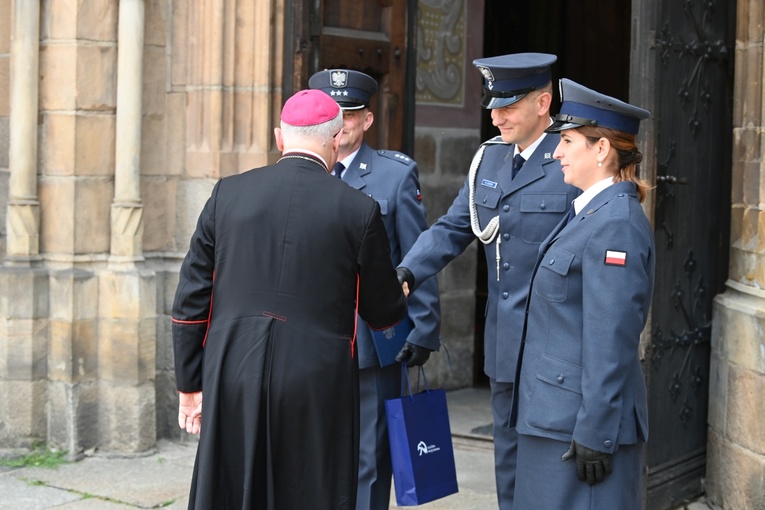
point(584, 107)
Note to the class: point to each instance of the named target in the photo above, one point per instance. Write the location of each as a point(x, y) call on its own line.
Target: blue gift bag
point(421, 446)
point(388, 342)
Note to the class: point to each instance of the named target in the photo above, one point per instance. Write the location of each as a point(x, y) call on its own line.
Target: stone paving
point(161, 478)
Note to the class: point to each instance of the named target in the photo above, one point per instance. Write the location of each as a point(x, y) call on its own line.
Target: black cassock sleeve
point(381, 302)
point(193, 301)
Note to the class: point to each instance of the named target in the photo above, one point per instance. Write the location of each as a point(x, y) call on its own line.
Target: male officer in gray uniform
point(513, 197)
point(392, 179)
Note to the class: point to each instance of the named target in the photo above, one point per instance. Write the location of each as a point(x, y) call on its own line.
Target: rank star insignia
point(363, 166)
point(548, 155)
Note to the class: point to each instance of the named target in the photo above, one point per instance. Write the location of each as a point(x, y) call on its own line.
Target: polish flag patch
point(616, 258)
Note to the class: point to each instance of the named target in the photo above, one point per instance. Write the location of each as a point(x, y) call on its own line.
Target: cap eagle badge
point(339, 79)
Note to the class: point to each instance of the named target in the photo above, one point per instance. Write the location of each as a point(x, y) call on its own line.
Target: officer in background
point(392, 179)
point(513, 197)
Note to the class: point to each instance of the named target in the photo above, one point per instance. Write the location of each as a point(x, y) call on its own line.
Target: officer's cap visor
point(490, 101)
point(563, 122)
point(351, 106)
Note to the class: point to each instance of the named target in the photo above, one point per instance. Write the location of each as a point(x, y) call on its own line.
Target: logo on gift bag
point(424, 448)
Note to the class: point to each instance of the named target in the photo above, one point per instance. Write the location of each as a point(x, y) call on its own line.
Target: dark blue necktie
point(338, 169)
point(518, 162)
point(571, 213)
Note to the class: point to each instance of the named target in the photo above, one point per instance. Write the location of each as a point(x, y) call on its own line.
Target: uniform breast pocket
point(540, 213)
point(551, 281)
point(487, 197)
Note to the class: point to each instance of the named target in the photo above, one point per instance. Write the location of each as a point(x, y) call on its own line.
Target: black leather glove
point(414, 355)
point(591, 465)
point(405, 275)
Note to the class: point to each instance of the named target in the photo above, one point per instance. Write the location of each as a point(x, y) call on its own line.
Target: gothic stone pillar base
point(736, 442)
point(23, 355)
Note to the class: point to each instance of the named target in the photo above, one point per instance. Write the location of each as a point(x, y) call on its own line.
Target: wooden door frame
point(301, 58)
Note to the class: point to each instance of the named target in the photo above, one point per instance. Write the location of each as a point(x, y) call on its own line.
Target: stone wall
point(124, 116)
point(736, 440)
point(443, 157)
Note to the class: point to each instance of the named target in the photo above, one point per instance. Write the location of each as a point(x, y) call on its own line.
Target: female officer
point(582, 416)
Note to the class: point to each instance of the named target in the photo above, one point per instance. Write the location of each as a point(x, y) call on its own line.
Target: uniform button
point(505, 295)
point(505, 236)
point(607, 443)
point(542, 206)
point(505, 266)
point(506, 208)
point(560, 378)
point(552, 261)
point(484, 200)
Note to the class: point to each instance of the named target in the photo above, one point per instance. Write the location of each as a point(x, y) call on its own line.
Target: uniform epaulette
point(620, 207)
point(495, 141)
point(396, 156)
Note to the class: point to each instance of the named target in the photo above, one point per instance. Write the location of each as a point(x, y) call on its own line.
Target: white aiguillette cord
point(491, 231)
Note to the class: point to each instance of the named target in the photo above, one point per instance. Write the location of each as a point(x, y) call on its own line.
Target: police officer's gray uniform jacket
point(391, 178)
point(529, 207)
point(580, 377)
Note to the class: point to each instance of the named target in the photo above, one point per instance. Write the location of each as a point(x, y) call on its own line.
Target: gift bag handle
point(405, 374)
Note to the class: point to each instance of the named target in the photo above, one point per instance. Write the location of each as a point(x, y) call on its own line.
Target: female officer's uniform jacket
point(580, 376)
point(529, 207)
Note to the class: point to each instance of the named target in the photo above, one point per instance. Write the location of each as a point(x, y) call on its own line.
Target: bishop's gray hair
point(323, 132)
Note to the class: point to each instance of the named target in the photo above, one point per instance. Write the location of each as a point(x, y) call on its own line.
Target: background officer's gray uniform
point(392, 179)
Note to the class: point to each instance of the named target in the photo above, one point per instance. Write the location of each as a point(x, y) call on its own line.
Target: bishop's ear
point(279, 140)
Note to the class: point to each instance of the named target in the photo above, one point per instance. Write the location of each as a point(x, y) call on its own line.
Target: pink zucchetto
point(308, 108)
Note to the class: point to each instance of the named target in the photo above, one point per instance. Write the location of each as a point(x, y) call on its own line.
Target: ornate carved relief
point(441, 35)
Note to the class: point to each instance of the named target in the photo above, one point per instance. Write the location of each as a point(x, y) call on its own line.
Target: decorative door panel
point(693, 120)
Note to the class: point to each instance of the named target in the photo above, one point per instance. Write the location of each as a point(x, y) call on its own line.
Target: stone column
point(127, 334)
point(24, 286)
point(127, 211)
point(736, 444)
point(78, 62)
point(23, 220)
